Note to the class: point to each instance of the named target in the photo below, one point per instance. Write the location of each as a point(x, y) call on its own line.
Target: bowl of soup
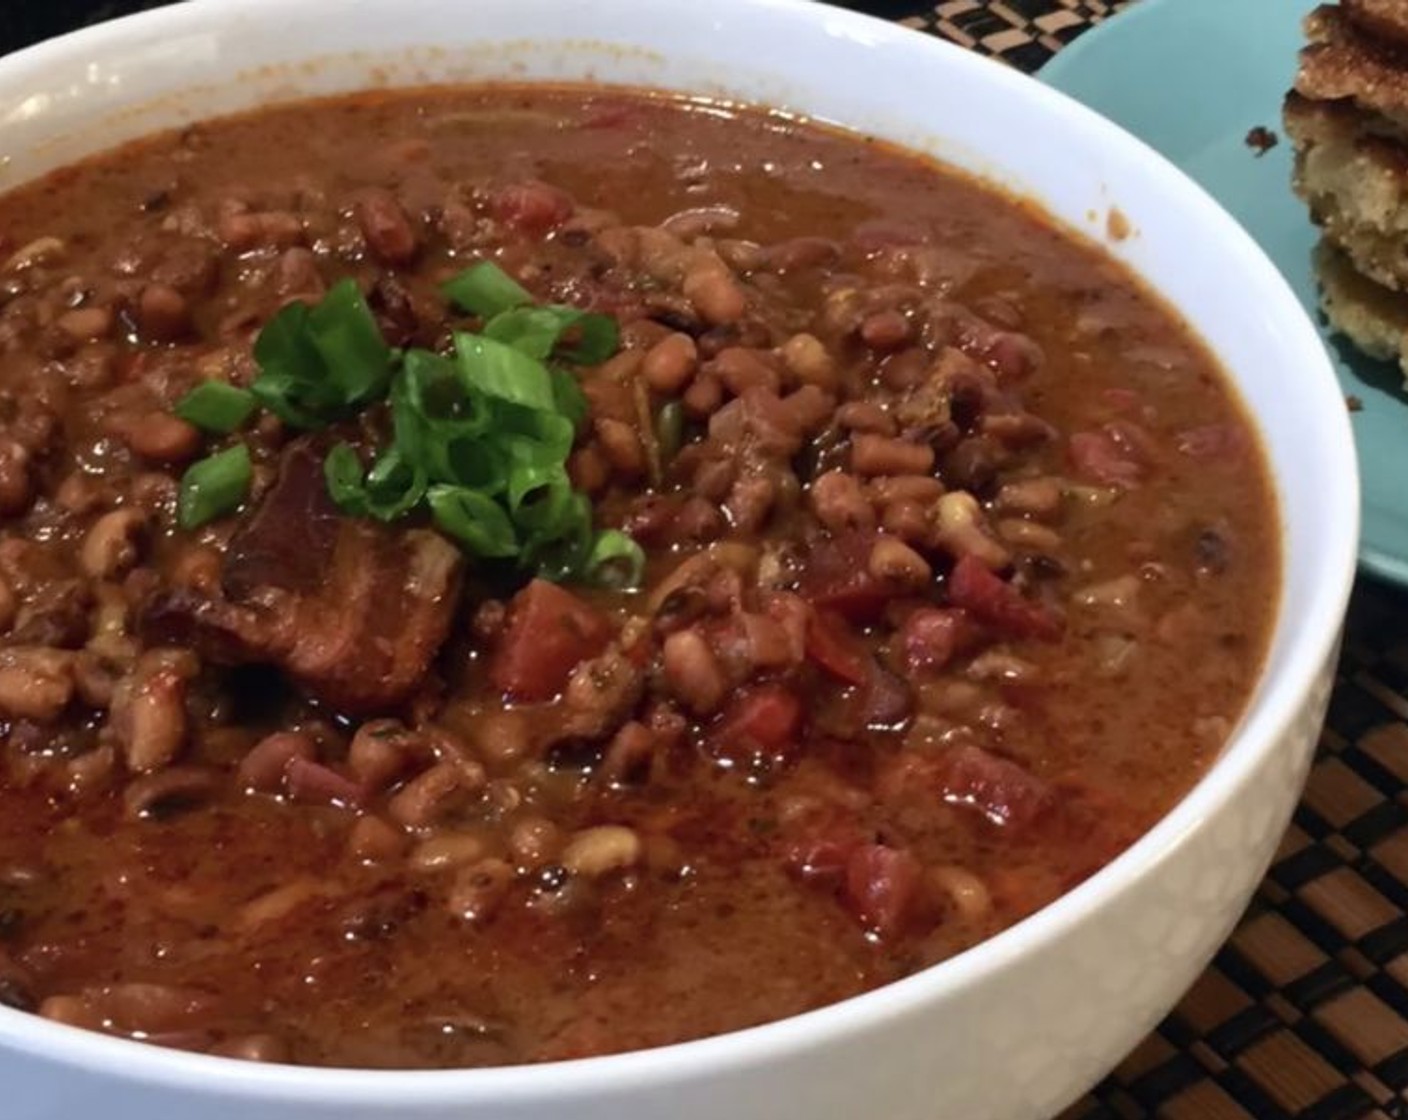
point(571, 558)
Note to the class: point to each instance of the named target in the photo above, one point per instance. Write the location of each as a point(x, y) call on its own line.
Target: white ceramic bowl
point(1020, 1025)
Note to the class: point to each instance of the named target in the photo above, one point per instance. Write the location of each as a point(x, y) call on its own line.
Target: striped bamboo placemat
point(1303, 1015)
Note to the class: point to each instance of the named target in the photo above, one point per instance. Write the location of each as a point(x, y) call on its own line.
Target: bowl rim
point(1262, 728)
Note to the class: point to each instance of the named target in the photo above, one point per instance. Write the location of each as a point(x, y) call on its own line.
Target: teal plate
point(1191, 78)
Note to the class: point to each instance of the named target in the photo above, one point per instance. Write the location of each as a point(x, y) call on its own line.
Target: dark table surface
point(1304, 1014)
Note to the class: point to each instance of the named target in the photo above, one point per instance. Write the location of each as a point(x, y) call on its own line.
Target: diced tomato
point(993, 600)
point(533, 208)
point(838, 578)
point(931, 637)
point(311, 781)
point(1096, 456)
point(833, 645)
point(822, 856)
point(762, 721)
point(547, 633)
point(767, 714)
point(882, 884)
point(1005, 792)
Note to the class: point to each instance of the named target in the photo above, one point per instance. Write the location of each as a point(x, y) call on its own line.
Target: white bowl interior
point(69, 98)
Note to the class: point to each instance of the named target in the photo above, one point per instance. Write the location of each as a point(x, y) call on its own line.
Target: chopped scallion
point(217, 407)
point(214, 486)
point(479, 438)
point(615, 561)
point(486, 290)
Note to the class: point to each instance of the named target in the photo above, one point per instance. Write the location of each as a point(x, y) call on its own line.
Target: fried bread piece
point(1373, 318)
point(1355, 182)
point(1342, 62)
point(1379, 19)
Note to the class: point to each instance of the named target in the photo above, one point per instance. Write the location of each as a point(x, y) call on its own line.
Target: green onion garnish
point(217, 407)
point(486, 290)
point(615, 561)
point(321, 364)
point(479, 437)
point(213, 487)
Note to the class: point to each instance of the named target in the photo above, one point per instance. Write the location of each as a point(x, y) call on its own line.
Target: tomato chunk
point(995, 601)
point(882, 884)
point(931, 637)
point(1005, 792)
point(763, 722)
point(533, 208)
point(821, 857)
point(1098, 457)
point(838, 578)
point(833, 645)
point(547, 633)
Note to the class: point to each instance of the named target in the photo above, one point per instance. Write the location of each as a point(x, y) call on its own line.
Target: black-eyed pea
point(809, 362)
point(1031, 497)
point(447, 850)
point(163, 314)
point(9, 605)
point(895, 562)
point(1029, 536)
point(436, 791)
point(149, 708)
point(112, 544)
point(670, 363)
point(480, 889)
point(16, 478)
point(873, 454)
point(621, 445)
point(86, 324)
point(715, 293)
point(866, 416)
point(35, 682)
point(961, 527)
point(704, 395)
point(534, 841)
point(961, 889)
point(839, 502)
point(906, 520)
point(379, 752)
point(158, 436)
point(594, 852)
point(80, 493)
point(373, 840)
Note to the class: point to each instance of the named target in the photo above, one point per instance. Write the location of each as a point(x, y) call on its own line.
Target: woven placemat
point(1304, 1013)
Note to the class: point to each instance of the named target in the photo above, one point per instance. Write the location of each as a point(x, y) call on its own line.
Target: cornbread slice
point(1342, 62)
point(1373, 318)
point(1380, 19)
point(1355, 182)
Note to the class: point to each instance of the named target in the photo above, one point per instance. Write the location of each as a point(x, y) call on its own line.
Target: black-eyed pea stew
point(501, 575)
